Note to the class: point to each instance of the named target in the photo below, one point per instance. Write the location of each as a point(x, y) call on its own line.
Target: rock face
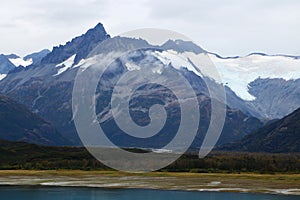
point(17, 123)
point(282, 136)
point(275, 97)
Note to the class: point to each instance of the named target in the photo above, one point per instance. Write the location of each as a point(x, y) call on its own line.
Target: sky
point(227, 27)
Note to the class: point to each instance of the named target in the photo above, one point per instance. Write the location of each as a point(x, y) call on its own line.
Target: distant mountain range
point(278, 137)
point(12, 61)
point(257, 86)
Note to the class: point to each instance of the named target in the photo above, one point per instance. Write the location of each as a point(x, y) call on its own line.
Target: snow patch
point(101, 60)
point(157, 70)
point(20, 61)
point(2, 76)
point(64, 66)
point(131, 66)
point(177, 60)
point(81, 62)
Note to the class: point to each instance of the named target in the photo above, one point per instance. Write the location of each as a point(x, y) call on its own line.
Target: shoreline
point(289, 192)
point(279, 184)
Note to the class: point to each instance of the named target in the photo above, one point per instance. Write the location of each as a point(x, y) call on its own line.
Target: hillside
point(281, 136)
point(17, 123)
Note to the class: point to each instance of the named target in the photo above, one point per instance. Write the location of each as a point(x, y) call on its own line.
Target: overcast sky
point(227, 27)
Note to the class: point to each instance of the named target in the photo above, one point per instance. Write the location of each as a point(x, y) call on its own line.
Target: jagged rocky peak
point(79, 46)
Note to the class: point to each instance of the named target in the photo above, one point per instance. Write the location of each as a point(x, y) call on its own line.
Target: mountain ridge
point(80, 46)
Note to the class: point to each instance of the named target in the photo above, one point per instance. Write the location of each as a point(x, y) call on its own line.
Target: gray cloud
point(229, 27)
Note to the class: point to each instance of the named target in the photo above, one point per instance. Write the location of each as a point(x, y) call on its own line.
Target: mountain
point(282, 136)
point(17, 123)
point(256, 85)
point(33, 58)
point(79, 46)
point(10, 62)
point(237, 124)
point(46, 88)
point(37, 57)
point(250, 81)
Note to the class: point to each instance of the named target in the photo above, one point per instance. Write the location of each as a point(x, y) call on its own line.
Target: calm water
point(58, 193)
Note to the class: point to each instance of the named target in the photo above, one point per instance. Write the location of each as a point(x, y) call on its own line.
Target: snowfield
point(238, 73)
